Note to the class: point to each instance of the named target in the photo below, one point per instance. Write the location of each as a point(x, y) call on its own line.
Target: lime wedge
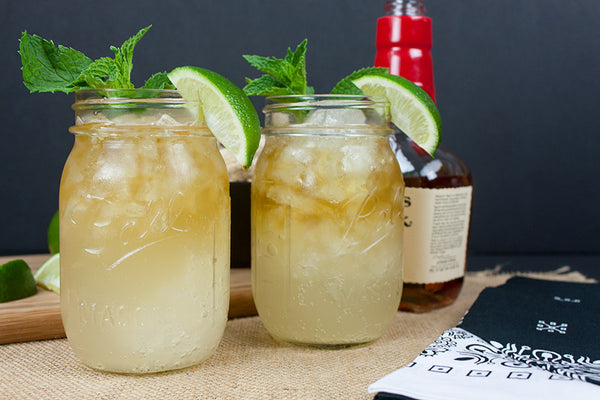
point(228, 112)
point(411, 108)
point(53, 234)
point(48, 275)
point(16, 281)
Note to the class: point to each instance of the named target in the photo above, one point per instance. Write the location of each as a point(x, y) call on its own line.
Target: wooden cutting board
point(38, 317)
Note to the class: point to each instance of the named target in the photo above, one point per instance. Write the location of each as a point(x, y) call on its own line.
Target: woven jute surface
point(248, 363)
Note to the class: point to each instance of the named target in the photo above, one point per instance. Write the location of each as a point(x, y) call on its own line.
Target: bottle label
point(436, 226)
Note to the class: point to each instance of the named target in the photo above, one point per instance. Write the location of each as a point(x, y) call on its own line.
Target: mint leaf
point(298, 56)
point(275, 67)
point(123, 60)
point(298, 81)
point(283, 76)
point(160, 80)
point(47, 68)
point(345, 86)
point(96, 74)
point(266, 85)
point(289, 57)
point(298, 60)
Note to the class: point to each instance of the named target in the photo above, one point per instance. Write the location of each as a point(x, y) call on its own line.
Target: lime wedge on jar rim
point(16, 281)
point(411, 108)
point(227, 110)
point(48, 275)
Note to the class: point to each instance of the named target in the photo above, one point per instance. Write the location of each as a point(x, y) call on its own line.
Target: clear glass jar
point(327, 203)
point(144, 233)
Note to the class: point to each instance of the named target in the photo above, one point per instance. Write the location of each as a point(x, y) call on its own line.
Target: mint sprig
point(47, 68)
point(282, 76)
point(288, 76)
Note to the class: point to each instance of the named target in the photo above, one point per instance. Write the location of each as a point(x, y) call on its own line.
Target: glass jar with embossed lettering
point(144, 233)
point(327, 204)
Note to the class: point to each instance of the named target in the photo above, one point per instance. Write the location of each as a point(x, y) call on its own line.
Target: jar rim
point(107, 97)
point(120, 108)
point(327, 114)
point(330, 101)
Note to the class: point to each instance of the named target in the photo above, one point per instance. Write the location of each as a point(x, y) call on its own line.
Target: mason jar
point(144, 233)
point(327, 224)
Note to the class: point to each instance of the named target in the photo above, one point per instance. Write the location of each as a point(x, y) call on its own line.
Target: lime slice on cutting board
point(48, 275)
point(411, 108)
point(16, 281)
point(228, 112)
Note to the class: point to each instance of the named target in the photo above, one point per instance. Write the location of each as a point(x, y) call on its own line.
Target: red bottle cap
point(404, 46)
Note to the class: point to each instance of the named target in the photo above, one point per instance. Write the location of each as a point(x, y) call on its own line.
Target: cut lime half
point(411, 108)
point(48, 275)
point(228, 112)
point(16, 281)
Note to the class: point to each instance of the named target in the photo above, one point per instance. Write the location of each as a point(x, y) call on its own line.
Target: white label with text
point(436, 227)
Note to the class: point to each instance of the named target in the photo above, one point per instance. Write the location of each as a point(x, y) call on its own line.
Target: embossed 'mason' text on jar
point(144, 233)
point(327, 198)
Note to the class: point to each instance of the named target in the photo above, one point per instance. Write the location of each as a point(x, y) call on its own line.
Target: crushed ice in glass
point(335, 117)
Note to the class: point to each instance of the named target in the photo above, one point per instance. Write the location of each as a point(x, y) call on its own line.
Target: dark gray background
point(517, 86)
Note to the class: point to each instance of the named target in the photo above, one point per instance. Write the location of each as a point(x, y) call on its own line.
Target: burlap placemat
point(248, 364)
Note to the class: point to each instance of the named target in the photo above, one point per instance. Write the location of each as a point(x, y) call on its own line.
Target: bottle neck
point(405, 7)
point(404, 41)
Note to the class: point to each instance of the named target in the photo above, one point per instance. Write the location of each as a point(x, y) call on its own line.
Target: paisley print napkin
point(527, 339)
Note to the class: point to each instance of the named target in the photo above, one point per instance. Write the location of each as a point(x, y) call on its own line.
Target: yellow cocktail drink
point(144, 229)
point(327, 200)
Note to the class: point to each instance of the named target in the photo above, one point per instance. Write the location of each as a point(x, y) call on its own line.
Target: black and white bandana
point(527, 339)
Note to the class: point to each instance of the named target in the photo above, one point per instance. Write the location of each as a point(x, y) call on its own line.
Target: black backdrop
point(517, 83)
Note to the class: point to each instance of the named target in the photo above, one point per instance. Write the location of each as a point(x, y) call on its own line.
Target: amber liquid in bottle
point(403, 46)
point(429, 296)
point(445, 171)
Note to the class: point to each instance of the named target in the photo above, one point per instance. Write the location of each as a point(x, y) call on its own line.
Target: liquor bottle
point(438, 194)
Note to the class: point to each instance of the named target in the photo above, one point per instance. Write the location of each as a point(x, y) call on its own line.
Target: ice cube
point(335, 117)
point(180, 164)
point(128, 119)
point(301, 152)
point(358, 157)
point(88, 117)
point(115, 167)
point(144, 117)
point(308, 179)
point(148, 156)
point(279, 119)
point(166, 120)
